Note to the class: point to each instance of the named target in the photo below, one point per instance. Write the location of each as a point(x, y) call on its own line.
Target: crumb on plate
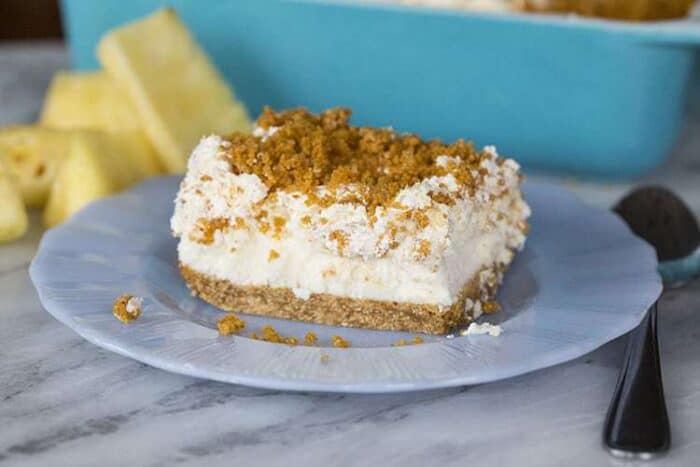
point(230, 324)
point(270, 334)
point(127, 308)
point(340, 342)
point(310, 338)
point(402, 342)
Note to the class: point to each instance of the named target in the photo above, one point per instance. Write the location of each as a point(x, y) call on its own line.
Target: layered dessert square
point(311, 218)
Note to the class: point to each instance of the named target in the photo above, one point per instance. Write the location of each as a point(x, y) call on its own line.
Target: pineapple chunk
point(32, 156)
point(98, 164)
point(93, 101)
point(87, 101)
point(13, 216)
point(178, 93)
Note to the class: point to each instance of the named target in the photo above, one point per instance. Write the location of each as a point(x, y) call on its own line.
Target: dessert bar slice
point(311, 218)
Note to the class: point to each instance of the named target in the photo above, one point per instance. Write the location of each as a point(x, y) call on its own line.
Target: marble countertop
point(65, 402)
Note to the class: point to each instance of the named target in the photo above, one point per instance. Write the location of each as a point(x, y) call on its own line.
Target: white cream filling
point(242, 257)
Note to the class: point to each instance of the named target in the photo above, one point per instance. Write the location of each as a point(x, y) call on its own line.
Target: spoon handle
point(637, 423)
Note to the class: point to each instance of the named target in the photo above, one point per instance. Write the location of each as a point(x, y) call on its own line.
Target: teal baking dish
point(572, 95)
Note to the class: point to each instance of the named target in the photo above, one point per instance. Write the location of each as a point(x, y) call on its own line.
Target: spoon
point(637, 424)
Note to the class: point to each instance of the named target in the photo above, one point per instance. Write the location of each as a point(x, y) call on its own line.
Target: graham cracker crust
point(331, 309)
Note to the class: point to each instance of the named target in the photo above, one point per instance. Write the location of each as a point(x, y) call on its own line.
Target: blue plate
point(582, 280)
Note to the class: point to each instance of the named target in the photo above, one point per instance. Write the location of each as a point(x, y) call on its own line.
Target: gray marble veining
point(65, 402)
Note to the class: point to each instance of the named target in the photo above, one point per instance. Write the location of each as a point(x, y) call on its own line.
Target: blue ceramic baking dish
point(574, 95)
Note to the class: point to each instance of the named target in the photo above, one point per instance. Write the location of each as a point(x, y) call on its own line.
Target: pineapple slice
point(13, 216)
point(178, 93)
point(98, 165)
point(32, 156)
point(89, 100)
point(93, 101)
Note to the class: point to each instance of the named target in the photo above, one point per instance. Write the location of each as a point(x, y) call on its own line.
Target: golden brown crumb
point(422, 249)
point(239, 223)
point(230, 324)
point(263, 227)
point(340, 238)
point(422, 220)
point(207, 228)
point(270, 334)
point(123, 311)
point(490, 307)
point(308, 151)
point(310, 338)
point(205, 178)
point(328, 273)
point(279, 223)
point(325, 358)
point(273, 255)
point(401, 342)
point(634, 10)
point(340, 342)
point(306, 220)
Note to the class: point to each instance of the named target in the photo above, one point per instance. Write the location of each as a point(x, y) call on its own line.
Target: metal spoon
point(637, 424)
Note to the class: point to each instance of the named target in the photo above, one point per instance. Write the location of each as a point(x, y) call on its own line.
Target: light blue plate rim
point(583, 280)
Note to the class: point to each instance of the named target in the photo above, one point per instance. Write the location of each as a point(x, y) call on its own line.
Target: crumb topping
point(330, 272)
point(349, 191)
point(239, 223)
point(422, 249)
point(278, 226)
point(127, 308)
point(230, 324)
point(340, 238)
point(274, 254)
point(206, 228)
point(307, 151)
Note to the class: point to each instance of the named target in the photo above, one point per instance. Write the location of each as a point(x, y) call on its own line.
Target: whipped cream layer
point(416, 251)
